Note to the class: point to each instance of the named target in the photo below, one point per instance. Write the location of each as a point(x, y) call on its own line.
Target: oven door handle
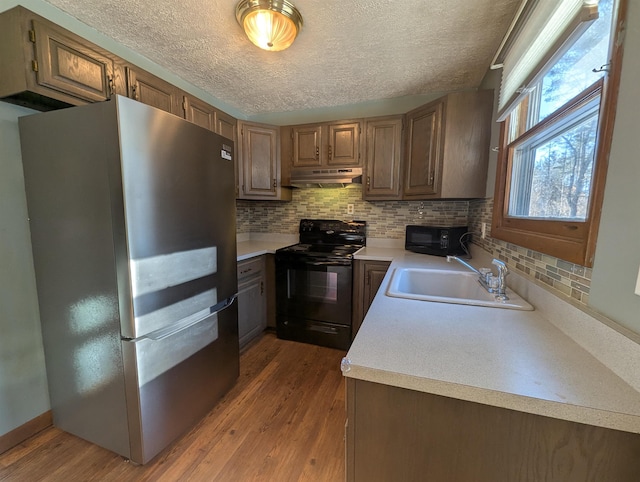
point(327, 263)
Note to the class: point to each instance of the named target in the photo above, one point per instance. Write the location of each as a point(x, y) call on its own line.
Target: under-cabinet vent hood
point(312, 177)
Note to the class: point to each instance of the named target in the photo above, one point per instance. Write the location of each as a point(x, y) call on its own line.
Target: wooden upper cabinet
point(59, 67)
point(199, 112)
point(307, 142)
point(226, 125)
point(335, 144)
point(383, 158)
point(424, 156)
point(344, 144)
point(207, 116)
point(259, 163)
point(151, 90)
point(447, 147)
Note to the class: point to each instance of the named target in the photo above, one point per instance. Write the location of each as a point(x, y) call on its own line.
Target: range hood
point(313, 177)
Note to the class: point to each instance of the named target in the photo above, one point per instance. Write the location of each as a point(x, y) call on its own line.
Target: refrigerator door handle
point(191, 320)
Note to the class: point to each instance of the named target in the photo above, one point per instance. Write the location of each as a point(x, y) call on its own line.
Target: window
point(555, 138)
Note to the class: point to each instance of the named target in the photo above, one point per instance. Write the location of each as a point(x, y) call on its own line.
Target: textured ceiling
point(348, 52)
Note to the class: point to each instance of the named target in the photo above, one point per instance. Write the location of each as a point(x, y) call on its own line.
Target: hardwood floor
point(283, 421)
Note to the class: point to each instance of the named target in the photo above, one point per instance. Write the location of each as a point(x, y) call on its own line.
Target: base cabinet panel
point(252, 299)
point(367, 277)
point(399, 434)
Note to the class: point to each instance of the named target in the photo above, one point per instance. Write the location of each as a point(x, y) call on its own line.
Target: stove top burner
point(328, 238)
point(345, 251)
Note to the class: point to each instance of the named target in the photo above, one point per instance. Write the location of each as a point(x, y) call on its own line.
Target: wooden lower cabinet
point(398, 434)
point(367, 278)
point(252, 299)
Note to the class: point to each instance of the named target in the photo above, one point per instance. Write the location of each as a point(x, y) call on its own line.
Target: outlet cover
point(350, 209)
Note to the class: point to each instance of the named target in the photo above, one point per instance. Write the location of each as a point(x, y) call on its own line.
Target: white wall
point(617, 258)
point(23, 384)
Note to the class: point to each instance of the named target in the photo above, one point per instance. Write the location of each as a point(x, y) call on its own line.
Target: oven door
point(314, 300)
point(314, 289)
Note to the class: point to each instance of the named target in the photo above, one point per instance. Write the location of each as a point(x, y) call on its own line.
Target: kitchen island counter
point(517, 360)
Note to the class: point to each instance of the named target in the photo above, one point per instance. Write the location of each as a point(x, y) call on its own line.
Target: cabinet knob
point(431, 178)
point(317, 153)
point(275, 182)
point(368, 181)
point(329, 151)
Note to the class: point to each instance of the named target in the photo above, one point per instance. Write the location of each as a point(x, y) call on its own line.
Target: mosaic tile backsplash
point(567, 279)
point(387, 219)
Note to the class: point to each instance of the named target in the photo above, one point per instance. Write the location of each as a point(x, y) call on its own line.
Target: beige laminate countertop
point(251, 249)
point(512, 359)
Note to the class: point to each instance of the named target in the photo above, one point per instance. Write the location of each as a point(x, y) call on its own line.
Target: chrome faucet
point(493, 284)
point(501, 289)
point(464, 263)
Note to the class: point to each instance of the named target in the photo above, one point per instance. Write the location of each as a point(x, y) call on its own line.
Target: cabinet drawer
point(250, 267)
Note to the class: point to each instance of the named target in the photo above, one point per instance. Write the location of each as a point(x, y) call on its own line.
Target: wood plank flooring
point(283, 421)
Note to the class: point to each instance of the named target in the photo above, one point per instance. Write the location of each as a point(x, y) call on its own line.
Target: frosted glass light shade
point(269, 24)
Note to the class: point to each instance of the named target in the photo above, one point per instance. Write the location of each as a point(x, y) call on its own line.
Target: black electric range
point(314, 282)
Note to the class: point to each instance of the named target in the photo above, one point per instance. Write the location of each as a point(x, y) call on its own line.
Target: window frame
point(572, 241)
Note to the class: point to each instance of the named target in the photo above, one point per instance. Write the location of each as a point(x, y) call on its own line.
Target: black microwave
point(437, 240)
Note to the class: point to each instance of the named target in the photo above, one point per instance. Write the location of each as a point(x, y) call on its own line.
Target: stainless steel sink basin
point(445, 286)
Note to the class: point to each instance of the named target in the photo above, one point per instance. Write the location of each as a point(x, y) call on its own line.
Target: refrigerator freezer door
point(179, 211)
point(180, 376)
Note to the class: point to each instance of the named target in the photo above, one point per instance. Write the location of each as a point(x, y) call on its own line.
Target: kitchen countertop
point(263, 245)
point(512, 359)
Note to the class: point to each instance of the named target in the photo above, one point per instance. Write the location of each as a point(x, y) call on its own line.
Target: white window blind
point(548, 26)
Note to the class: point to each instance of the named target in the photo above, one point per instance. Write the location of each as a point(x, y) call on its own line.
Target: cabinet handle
point(368, 181)
point(134, 91)
point(431, 179)
point(110, 84)
point(261, 287)
point(317, 153)
point(329, 151)
point(275, 182)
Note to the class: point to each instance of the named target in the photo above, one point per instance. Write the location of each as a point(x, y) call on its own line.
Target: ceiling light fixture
point(269, 24)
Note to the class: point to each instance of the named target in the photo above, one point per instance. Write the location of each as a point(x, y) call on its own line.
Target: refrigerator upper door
point(178, 203)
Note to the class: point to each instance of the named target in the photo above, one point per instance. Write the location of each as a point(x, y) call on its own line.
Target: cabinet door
point(375, 272)
point(258, 169)
point(383, 158)
point(70, 66)
point(149, 89)
point(424, 150)
point(368, 276)
point(225, 125)
point(199, 112)
point(307, 145)
point(344, 144)
point(252, 299)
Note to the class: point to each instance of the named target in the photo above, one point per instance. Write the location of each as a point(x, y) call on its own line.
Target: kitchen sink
point(445, 286)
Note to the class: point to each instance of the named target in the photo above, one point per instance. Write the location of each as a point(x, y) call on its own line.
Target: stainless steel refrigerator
point(132, 216)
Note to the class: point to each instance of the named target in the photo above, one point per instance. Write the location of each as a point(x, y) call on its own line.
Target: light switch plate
point(638, 283)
